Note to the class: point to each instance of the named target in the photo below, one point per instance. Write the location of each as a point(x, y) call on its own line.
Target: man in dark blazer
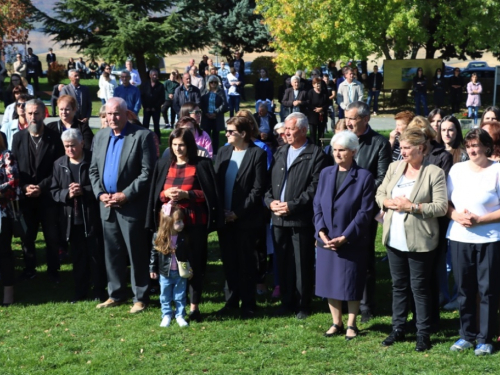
point(81, 94)
point(374, 154)
point(56, 91)
point(266, 122)
point(51, 57)
point(36, 149)
point(294, 179)
point(374, 86)
point(32, 69)
point(295, 98)
point(185, 93)
point(120, 172)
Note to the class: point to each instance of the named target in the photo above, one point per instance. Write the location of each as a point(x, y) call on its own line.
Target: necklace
point(36, 143)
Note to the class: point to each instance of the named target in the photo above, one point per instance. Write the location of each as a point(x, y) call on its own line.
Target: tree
point(118, 29)
point(14, 17)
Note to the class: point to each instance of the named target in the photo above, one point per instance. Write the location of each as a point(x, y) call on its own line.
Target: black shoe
point(225, 311)
point(302, 315)
point(27, 275)
point(54, 277)
point(395, 336)
point(366, 315)
point(247, 314)
point(339, 330)
point(423, 343)
point(195, 316)
point(355, 329)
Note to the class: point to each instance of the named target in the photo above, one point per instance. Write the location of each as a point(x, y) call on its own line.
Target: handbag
point(185, 270)
point(19, 227)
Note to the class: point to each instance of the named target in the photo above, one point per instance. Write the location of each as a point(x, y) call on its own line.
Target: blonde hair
point(424, 125)
point(163, 241)
point(340, 125)
point(414, 136)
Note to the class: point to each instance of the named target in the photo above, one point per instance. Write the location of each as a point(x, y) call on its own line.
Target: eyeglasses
point(230, 132)
point(195, 112)
point(213, 82)
point(21, 105)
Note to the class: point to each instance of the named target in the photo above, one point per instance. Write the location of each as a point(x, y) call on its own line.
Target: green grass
point(44, 333)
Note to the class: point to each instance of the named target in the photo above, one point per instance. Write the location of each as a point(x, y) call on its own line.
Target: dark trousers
point(317, 131)
point(455, 99)
point(239, 260)
point(168, 105)
point(36, 87)
point(410, 270)
point(260, 234)
point(210, 126)
point(126, 241)
point(475, 268)
point(35, 213)
point(438, 98)
point(368, 301)
point(53, 104)
point(198, 236)
point(156, 121)
point(88, 263)
point(294, 252)
point(6, 254)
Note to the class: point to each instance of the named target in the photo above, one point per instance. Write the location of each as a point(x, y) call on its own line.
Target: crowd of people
point(269, 189)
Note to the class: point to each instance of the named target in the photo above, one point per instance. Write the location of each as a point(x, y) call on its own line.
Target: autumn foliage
point(14, 15)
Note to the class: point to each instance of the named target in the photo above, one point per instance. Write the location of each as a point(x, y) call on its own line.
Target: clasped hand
point(176, 194)
point(75, 190)
point(399, 204)
point(279, 208)
point(33, 191)
point(466, 219)
point(113, 200)
point(333, 243)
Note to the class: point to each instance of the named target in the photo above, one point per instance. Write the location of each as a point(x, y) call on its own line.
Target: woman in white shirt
point(233, 93)
point(107, 84)
point(474, 234)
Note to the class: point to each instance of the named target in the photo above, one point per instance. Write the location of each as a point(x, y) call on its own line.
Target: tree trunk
point(141, 66)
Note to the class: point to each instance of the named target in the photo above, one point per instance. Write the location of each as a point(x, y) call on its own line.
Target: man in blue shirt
point(129, 93)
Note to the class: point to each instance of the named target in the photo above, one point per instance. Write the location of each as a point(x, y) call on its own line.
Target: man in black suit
point(239, 65)
point(51, 57)
point(32, 69)
point(37, 148)
point(81, 94)
point(266, 122)
point(374, 86)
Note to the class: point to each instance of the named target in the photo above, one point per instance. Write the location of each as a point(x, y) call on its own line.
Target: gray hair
point(315, 71)
point(298, 73)
point(295, 78)
point(126, 72)
point(71, 71)
point(301, 119)
point(117, 100)
point(36, 102)
point(154, 70)
point(279, 125)
point(346, 139)
point(361, 107)
point(72, 135)
point(263, 105)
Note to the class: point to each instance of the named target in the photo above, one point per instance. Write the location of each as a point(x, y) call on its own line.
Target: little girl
point(169, 248)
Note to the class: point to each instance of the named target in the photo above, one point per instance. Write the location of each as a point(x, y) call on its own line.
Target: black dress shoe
point(247, 314)
point(355, 329)
point(366, 315)
point(339, 330)
point(423, 343)
point(283, 311)
point(302, 315)
point(395, 336)
point(195, 316)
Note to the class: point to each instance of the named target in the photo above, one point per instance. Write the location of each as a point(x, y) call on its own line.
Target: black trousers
point(261, 248)
point(239, 260)
point(455, 99)
point(53, 104)
point(198, 237)
point(210, 126)
point(156, 121)
point(368, 302)
point(36, 87)
point(294, 252)
point(411, 270)
point(169, 104)
point(317, 131)
point(475, 268)
point(35, 213)
point(6, 254)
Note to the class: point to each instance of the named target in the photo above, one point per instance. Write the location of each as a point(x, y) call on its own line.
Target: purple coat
point(474, 100)
point(348, 212)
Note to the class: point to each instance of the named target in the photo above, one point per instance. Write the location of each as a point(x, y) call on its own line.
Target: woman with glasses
point(420, 91)
point(19, 121)
point(474, 91)
point(213, 106)
point(10, 110)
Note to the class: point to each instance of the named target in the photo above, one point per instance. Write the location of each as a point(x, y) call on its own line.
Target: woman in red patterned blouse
point(189, 180)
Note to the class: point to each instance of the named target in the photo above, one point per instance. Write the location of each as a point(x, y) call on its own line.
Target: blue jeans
point(234, 104)
point(475, 109)
point(421, 97)
point(375, 95)
point(173, 289)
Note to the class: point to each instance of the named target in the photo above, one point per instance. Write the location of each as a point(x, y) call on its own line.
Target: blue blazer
point(350, 211)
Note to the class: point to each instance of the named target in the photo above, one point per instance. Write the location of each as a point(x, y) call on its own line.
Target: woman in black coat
point(212, 120)
point(241, 172)
point(189, 180)
point(317, 105)
point(264, 89)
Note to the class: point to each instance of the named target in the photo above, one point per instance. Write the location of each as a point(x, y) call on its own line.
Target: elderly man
point(135, 78)
point(37, 148)
point(129, 93)
point(196, 79)
point(374, 155)
point(294, 178)
point(120, 173)
point(153, 96)
point(295, 98)
point(81, 94)
point(191, 64)
point(350, 90)
point(185, 93)
point(266, 122)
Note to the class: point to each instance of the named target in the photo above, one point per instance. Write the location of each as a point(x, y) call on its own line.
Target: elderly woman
point(342, 224)
point(10, 110)
point(402, 121)
point(19, 121)
point(241, 173)
point(189, 180)
point(67, 106)
point(9, 196)
point(317, 104)
point(79, 218)
point(474, 234)
point(213, 106)
point(294, 98)
point(413, 194)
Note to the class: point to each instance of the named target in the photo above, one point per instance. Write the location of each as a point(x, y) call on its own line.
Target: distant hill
point(45, 6)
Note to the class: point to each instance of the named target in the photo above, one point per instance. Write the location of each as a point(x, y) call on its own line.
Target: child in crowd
point(169, 262)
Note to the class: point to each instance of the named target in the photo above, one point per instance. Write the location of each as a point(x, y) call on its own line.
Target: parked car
point(477, 64)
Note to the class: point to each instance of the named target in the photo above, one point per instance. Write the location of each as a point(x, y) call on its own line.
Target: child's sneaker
point(181, 322)
point(165, 322)
point(461, 345)
point(483, 349)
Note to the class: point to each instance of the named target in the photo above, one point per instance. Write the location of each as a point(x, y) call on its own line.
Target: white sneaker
point(451, 306)
point(181, 322)
point(165, 322)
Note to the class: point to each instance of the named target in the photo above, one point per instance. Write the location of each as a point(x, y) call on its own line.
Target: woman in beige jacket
point(413, 194)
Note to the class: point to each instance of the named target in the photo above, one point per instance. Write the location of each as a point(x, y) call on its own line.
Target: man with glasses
point(186, 93)
point(129, 93)
point(374, 155)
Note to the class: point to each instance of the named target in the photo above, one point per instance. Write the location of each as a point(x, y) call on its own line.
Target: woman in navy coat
point(343, 210)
